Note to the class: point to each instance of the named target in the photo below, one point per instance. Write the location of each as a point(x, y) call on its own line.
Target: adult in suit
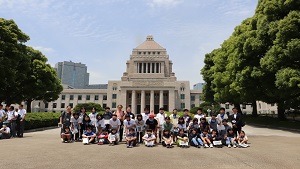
point(236, 121)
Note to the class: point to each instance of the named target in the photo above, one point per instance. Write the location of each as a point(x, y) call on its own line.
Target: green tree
point(42, 82)
point(14, 62)
point(88, 107)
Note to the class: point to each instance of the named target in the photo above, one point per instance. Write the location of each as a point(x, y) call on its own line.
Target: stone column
point(171, 100)
point(161, 98)
point(133, 102)
point(152, 100)
point(123, 98)
point(142, 101)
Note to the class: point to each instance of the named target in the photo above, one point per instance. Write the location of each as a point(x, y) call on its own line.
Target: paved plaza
point(269, 149)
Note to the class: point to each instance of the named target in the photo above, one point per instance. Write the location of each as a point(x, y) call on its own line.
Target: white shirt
point(115, 124)
point(2, 113)
point(234, 115)
point(11, 114)
point(219, 117)
point(93, 118)
point(199, 116)
point(22, 112)
point(101, 123)
point(7, 130)
point(130, 124)
point(145, 116)
point(76, 121)
point(161, 118)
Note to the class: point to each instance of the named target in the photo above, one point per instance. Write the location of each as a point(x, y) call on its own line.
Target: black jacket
point(237, 121)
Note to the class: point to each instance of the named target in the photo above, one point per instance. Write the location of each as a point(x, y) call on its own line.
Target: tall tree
point(14, 63)
point(42, 82)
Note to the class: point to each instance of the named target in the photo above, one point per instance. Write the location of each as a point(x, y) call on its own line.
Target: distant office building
point(198, 86)
point(72, 74)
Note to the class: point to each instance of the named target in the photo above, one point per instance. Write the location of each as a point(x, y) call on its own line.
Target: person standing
point(21, 121)
point(146, 114)
point(236, 121)
point(82, 115)
point(128, 112)
point(2, 114)
point(11, 119)
point(161, 119)
point(120, 115)
point(174, 117)
point(65, 118)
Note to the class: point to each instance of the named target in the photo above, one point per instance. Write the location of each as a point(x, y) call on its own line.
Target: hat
point(161, 108)
point(151, 115)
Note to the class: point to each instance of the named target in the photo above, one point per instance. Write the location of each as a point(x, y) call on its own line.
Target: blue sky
point(102, 33)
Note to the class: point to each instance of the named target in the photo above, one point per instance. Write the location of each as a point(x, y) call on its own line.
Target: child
point(75, 125)
point(103, 137)
point(168, 125)
point(167, 139)
point(213, 122)
point(140, 127)
point(242, 139)
point(129, 124)
point(86, 122)
point(114, 122)
point(100, 124)
point(93, 117)
point(88, 136)
point(66, 135)
point(224, 127)
point(193, 125)
point(149, 138)
point(195, 139)
point(205, 137)
point(182, 139)
point(131, 138)
point(113, 137)
point(203, 124)
point(199, 114)
point(5, 131)
point(161, 120)
point(152, 124)
point(230, 138)
point(216, 139)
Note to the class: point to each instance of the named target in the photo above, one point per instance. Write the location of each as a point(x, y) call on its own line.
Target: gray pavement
point(269, 149)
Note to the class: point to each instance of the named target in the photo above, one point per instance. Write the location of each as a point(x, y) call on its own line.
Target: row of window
point(149, 53)
point(87, 97)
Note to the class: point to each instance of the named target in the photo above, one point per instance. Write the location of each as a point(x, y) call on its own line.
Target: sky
point(102, 33)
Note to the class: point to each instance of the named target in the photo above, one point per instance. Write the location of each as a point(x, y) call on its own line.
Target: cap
point(161, 108)
point(151, 115)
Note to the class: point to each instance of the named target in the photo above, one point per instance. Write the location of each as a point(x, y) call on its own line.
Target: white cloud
point(164, 3)
point(43, 49)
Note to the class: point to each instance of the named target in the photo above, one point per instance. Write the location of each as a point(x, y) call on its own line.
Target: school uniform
point(195, 139)
point(167, 136)
point(133, 142)
point(199, 116)
point(5, 134)
point(111, 135)
point(161, 117)
point(145, 116)
point(12, 122)
point(93, 117)
point(66, 118)
point(149, 136)
point(187, 119)
point(140, 125)
point(20, 124)
point(213, 124)
point(2, 116)
point(76, 125)
point(237, 120)
point(174, 118)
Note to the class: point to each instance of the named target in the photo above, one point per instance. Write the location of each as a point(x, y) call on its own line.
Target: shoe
point(234, 146)
point(229, 146)
point(62, 140)
point(206, 146)
point(100, 143)
point(198, 146)
point(110, 144)
point(128, 146)
point(211, 146)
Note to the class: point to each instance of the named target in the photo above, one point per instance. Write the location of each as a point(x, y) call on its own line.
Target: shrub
point(88, 107)
point(40, 120)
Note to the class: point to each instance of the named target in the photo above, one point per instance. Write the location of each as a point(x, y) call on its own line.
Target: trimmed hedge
point(40, 120)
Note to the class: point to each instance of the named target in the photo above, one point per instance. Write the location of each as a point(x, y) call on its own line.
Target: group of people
point(150, 129)
point(12, 121)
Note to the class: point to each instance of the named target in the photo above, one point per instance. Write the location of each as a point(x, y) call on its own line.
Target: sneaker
point(198, 146)
point(234, 146)
point(211, 146)
point(206, 146)
point(128, 146)
point(229, 146)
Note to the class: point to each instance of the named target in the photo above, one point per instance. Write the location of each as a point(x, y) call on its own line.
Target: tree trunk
point(238, 106)
point(281, 110)
point(29, 105)
point(254, 111)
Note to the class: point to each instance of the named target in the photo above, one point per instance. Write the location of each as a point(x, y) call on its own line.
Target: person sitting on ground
point(129, 124)
point(103, 137)
point(167, 139)
point(195, 139)
point(242, 139)
point(149, 138)
point(205, 137)
point(216, 139)
point(113, 137)
point(182, 139)
point(4, 131)
point(230, 138)
point(89, 136)
point(140, 128)
point(131, 138)
point(66, 135)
